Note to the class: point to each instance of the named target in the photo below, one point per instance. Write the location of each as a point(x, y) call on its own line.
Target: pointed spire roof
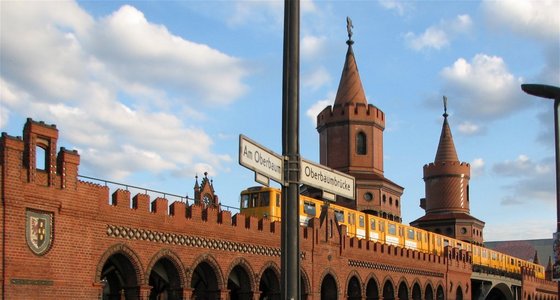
point(446, 147)
point(350, 88)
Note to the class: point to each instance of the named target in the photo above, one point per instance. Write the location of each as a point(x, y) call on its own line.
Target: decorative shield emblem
point(38, 231)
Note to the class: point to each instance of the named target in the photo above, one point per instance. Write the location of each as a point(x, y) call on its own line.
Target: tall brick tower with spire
point(447, 193)
point(351, 141)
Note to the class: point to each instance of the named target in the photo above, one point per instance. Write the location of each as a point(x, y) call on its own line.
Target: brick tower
point(351, 141)
point(447, 193)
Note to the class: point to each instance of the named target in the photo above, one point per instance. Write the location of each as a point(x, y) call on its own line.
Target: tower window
point(361, 146)
point(41, 158)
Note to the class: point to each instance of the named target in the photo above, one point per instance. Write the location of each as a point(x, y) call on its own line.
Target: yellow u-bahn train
point(265, 202)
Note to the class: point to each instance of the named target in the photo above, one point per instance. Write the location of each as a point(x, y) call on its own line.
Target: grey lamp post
point(551, 92)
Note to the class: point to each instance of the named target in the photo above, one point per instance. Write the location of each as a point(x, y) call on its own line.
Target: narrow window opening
point(361, 147)
point(41, 158)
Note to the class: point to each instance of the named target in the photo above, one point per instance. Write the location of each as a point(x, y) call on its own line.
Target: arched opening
point(119, 276)
point(372, 291)
point(388, 291)
point(354, 289)
point(416, 292)
point(403, 291)
point(239, 284)
point(204, 282)
point(269, 286)
point(500, 291)
point(304, 287)
point(429, 293)
point(439, 293)
point(459, 293)
point(165, 281)
point(361, 143)
point(329, 290)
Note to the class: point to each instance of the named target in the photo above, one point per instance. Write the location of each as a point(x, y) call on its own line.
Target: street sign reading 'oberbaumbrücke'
point(266, 164)
point(327, 179)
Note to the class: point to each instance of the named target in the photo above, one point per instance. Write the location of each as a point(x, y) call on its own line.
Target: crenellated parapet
point(351, 111)
point(447, 169)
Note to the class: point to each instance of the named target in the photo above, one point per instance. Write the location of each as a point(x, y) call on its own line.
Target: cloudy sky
point(154, 93)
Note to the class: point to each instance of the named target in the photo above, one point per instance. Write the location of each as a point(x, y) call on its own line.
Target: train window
point(277, 200)
point(410, 234)
point(362, 221)
point(381, 226)
point(372, 224)
point(244, 201)
point(265, 199)
point(351, 219)
point(494, 256)
point(309, 208)
point(439, 241)
point(459, 245)
point(419, 236)
point(445, 242)
point(253, 202)
point(484, 254)
point(339, 215)
point(392, 229)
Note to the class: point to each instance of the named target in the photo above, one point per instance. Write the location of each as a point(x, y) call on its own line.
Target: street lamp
point(552, 92)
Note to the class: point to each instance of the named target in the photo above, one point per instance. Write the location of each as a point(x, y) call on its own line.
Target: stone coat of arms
point(38, 231)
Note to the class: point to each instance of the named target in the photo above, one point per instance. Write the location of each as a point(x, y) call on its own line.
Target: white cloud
point(439, 36)
point(316, 78)
point(399, 6)
point(533, 180)
point(317, 107)
point(312, 46)
point(477, 167)
point(483, 88)
point(538, 19)
point(110, 86)
point(509, 231)
point(470, 128)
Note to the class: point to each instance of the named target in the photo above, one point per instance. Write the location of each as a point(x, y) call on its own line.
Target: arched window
point(361, 143)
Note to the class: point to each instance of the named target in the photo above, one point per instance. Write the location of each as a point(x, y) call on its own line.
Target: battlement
point(447, 168)
point(358, 112)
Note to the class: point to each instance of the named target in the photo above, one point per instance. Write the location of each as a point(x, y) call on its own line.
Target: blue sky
point(153, 93)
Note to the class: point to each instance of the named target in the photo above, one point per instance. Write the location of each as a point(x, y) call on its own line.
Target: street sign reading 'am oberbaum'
point(268, 165)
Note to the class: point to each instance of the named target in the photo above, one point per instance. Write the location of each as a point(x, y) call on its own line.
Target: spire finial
point(349, 27)
point(445, 107)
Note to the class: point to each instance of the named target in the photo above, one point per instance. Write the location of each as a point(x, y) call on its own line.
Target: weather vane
point(445, 107)
point(349, 27)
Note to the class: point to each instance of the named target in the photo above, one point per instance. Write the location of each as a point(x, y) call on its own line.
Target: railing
point(151, 192)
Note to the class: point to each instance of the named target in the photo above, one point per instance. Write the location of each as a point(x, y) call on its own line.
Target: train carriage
point(265, 202)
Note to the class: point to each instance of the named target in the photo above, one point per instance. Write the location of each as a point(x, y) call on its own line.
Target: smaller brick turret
point(447, 193)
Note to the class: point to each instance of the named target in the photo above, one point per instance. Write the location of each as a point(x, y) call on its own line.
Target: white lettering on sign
point(259, 159)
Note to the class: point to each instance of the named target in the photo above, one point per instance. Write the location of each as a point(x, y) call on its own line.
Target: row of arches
point(121, 276)
point(370, 290)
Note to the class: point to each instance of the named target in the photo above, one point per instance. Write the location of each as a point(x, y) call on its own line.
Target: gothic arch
point(326, 291)
point(243, 263)
point(429, 291)
point(269, 281)
point(372, 288)
point(128, 253)
point(388, 290)
point(416, 290)
point(213, 263)
point(173, 258)
point(403, 291)
point(305, 285)
point(355, 280)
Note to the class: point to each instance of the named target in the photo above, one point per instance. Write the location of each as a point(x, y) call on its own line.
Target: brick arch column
point(213, 263)
point(244, 264)
point(351, 275)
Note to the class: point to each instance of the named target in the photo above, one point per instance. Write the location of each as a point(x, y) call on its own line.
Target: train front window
point(244, 201)
point(265, 199)
point(253, 202)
